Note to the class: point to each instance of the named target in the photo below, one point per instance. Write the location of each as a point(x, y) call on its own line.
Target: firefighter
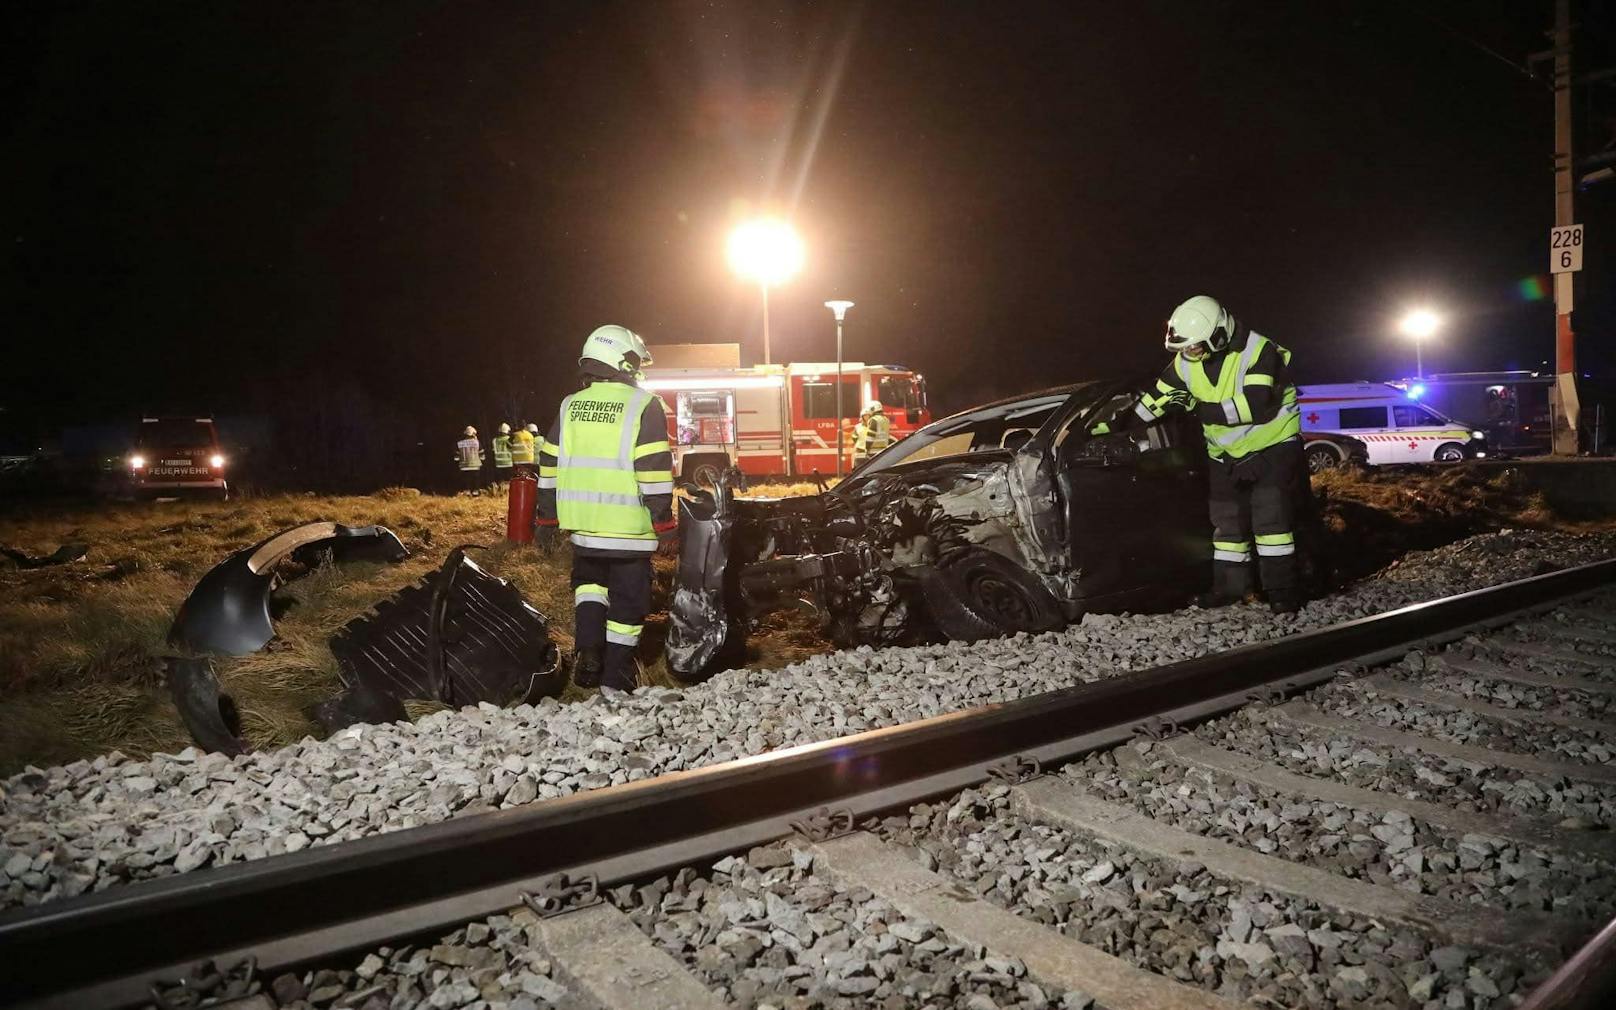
point(469, 454)
point(502, 452)
point(1237, 384)
point(524, 446)
point(872, 433)
point(606, 477)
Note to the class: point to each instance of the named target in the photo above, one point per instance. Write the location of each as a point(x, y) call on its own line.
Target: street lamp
point(840, 307)
point(766, 252)
point(1419, 324)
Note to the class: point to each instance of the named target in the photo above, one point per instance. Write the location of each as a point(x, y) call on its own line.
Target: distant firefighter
point(1237, 384)
point(502, 452)
point(524, 446)
point(872, 434)
point(469, 454)
point(606, 477)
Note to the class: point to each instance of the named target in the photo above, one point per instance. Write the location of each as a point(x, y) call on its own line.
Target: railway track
point(1400, 811)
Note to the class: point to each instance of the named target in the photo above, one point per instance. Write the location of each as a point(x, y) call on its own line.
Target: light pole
point(767, 252)
point(1419, 324)
point(840, 307)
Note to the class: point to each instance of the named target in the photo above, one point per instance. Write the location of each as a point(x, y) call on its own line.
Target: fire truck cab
point(772, 419)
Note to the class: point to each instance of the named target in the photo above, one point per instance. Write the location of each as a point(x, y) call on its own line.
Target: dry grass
point(80, 672)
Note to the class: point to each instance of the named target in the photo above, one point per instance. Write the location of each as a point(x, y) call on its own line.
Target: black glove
point(1180, 399)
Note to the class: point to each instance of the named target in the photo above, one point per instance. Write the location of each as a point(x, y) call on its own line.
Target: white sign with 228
point(1565, 249)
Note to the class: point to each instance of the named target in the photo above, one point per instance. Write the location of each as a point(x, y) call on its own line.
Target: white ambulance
point(1391, 421)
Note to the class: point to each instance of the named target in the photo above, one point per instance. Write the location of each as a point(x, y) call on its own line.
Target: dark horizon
point(427, 207)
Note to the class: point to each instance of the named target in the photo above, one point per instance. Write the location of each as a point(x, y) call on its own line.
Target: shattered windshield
point(998, 427)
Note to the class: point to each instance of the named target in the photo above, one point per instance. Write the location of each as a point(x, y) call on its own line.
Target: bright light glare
point(137, 462)
point(766, 251)
point(1416, 391)
point(1420, 323)
point(215, 460)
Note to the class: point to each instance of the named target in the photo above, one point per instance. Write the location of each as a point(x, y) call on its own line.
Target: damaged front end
point(888, 560)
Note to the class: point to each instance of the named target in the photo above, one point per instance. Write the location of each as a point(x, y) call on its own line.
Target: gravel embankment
point(1464, 785)
point(1388, 848)
point(95, 824)
point(1183, 922)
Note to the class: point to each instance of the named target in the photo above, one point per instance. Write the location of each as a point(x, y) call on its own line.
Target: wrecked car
point(1019, 515)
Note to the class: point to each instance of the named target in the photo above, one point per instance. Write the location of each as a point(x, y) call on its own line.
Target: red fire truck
point(772, 419)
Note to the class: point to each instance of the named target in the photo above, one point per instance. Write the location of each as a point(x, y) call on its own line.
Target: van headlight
point(1478, 434)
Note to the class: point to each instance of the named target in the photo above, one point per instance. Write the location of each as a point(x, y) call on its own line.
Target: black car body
point(1019, 515)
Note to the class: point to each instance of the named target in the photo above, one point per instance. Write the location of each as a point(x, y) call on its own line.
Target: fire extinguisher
point(519, 513)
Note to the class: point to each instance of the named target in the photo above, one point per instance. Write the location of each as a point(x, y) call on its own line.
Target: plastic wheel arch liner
point(228, 610)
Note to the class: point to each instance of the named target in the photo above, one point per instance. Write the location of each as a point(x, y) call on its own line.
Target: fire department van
point(772, 419)
point(1392, 422)
point(177, 455)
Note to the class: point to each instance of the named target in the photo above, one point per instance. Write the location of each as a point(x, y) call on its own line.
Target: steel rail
point(106, 949)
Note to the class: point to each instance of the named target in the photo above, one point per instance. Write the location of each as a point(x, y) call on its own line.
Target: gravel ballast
point(1183, 922)
point(95, 824)
point(1463, 785)
point(762, 930)
point(1389, 848)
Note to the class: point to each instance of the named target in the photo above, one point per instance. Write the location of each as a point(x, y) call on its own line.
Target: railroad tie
point(1303, 714)
point(1495, 671)
point(1197, 754)
point(1547, 653)
point(1391, 687)
point(863, 860)
point(1060, 802)
point(604, 952)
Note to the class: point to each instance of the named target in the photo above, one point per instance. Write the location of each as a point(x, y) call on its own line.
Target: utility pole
point(1564, 403)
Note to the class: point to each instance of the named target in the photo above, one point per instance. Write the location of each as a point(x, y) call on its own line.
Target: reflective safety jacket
point(606, 470)
point(1243, 397)
point(469, 452)
point(522, 446)
point(872, 434)
point(502, 451)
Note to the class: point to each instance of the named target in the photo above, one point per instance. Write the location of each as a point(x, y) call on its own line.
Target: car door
point(1373, 425)
point(1135, 506)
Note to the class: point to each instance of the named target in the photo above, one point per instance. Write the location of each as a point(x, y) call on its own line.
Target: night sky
point(241, 206)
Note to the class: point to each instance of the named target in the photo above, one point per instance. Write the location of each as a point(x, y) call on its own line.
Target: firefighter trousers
point(610, 598)
point(1253, 505)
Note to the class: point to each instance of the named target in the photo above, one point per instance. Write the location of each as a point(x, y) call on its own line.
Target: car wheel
point(992, 595)
point(1322, 456)
point(1449, 452)
point(704, 471)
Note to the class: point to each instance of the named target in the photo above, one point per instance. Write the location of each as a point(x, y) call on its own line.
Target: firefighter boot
point(622, 672)
point(1231, 581)
point(1282, 584)
point(586, 667)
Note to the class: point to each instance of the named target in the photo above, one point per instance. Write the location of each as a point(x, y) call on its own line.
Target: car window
point(1006, 430)
point(1363, 417)
point(1412, 416)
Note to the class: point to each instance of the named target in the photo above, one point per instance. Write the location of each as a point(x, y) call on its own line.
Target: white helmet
point(612, 345)
point(873, 407)
point(532, 428)
point(1203, 321)
point(504, 428)
point(470, 432)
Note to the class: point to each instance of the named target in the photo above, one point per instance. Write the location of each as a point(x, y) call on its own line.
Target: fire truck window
point(898, 391)
point(1410, 416)
point(1362, 417)
point(819, 399)
point(176, 433)
point(704, 418)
